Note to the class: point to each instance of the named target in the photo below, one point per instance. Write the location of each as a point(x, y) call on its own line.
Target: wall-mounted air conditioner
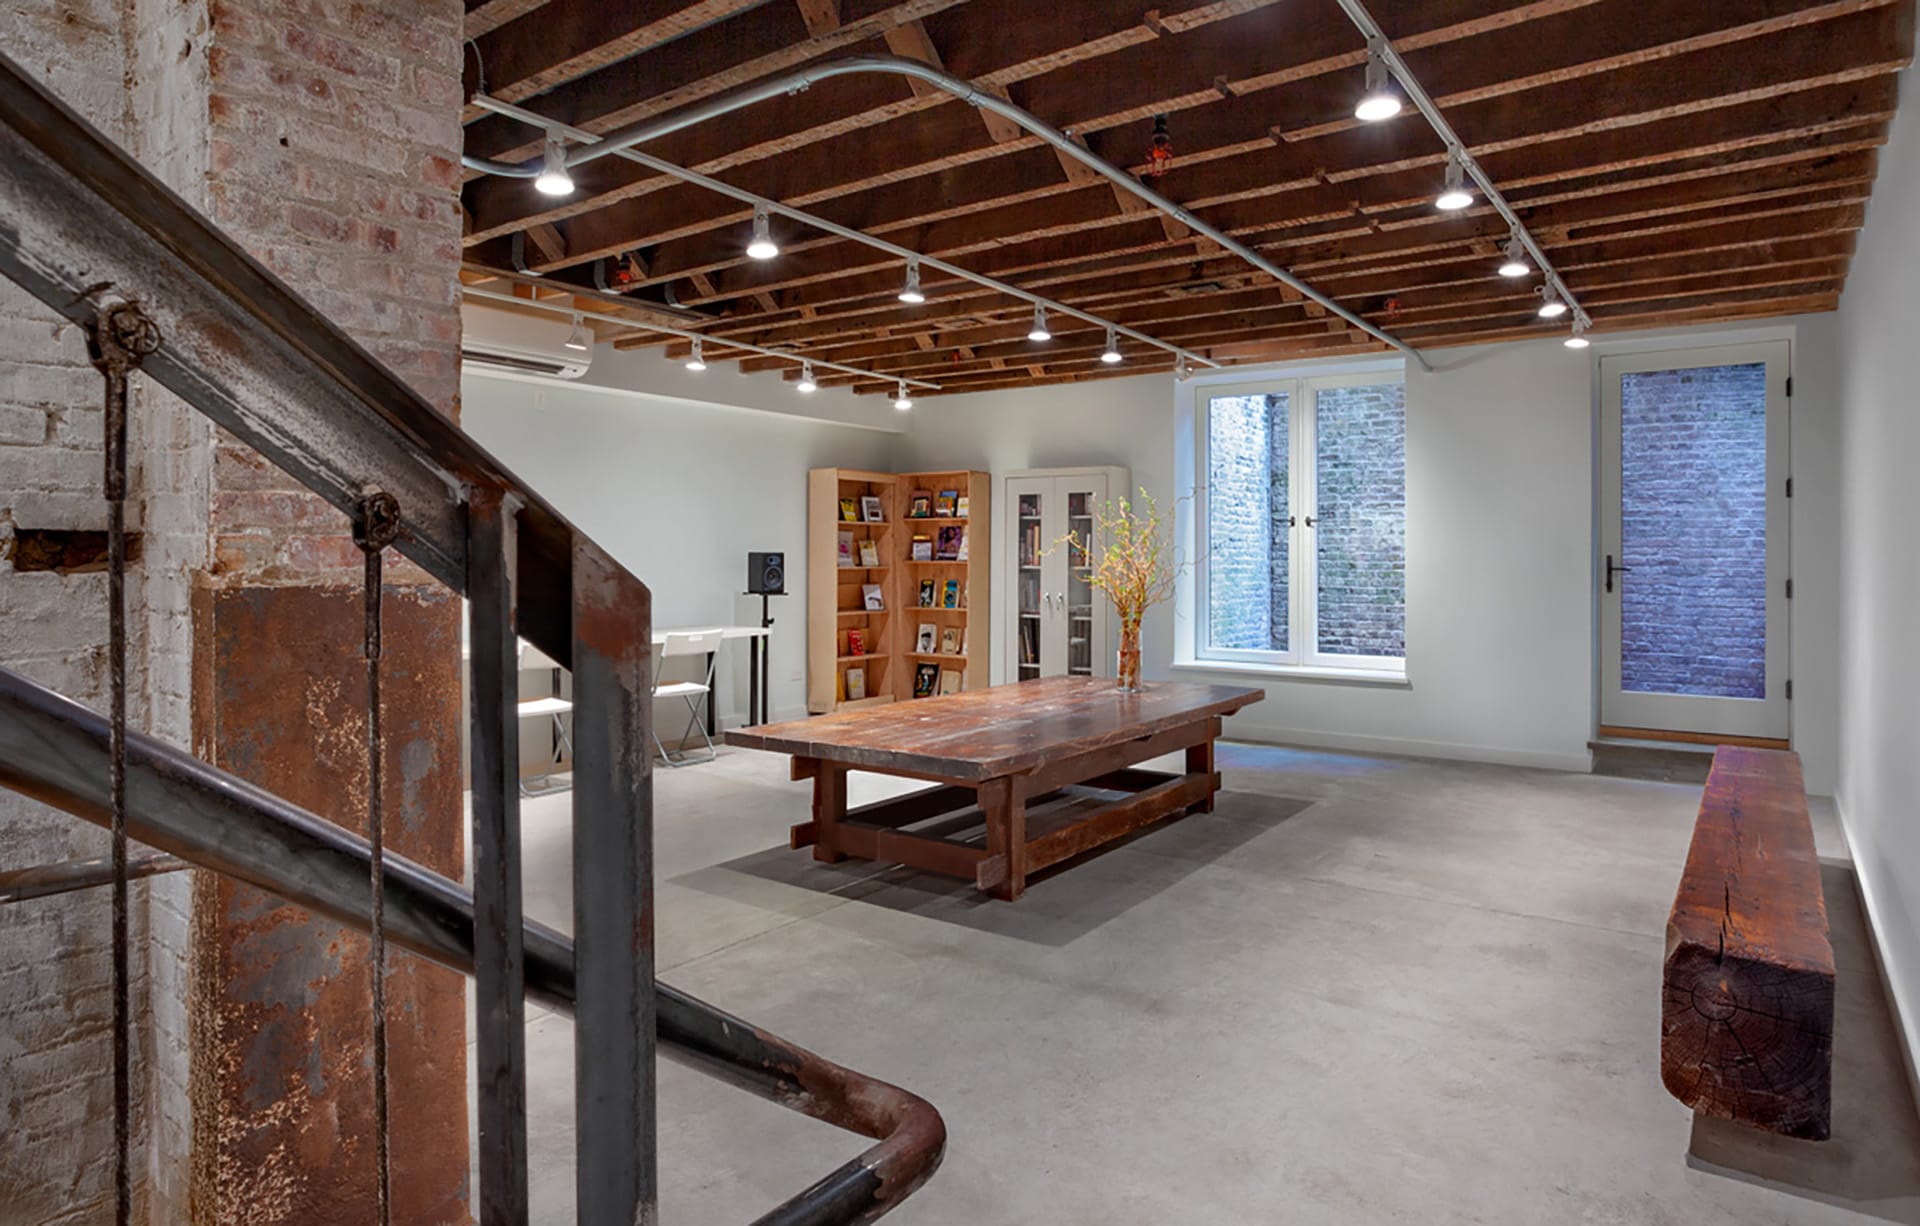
point(521, 341)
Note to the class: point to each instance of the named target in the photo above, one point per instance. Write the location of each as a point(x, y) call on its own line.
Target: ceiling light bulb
point(1039, 332)
point(1112, 352)
point(806, 378)
point(577, 339)
point(1455, 196)
point(762, 247)
point(1551, 307)
point(1516, 263)
point(902, 401)
point(696, 360)
point(1578, 340)
point(1380, 100)
point(911, 294)
point(554, 179)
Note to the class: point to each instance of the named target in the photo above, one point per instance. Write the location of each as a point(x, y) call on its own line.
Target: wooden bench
point(1747, 1011)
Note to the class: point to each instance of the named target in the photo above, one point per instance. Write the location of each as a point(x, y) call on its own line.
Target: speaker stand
point(759, 652)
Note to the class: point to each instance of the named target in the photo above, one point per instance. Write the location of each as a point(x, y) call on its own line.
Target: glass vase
point(1126, 673)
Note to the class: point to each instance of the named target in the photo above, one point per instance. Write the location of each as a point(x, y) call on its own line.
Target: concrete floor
point(1364, 990)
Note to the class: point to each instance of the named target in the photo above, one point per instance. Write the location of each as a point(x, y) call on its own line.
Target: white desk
point(758, 698)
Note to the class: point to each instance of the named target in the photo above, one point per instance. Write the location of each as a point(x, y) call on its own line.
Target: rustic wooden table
point(1004, 748)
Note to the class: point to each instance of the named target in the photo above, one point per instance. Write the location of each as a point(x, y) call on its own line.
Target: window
point(1301, 514)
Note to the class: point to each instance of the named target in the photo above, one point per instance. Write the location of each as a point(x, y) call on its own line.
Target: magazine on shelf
point(963, 640)
point(926, 680)
point(856, 642)
point(923, 642)
point(952, 540)
point(951, 600)
point(949, 681)
point(856, 684)
point(870, 595)
point(926, 593)
point(870, 509)
point(962, 555)
point(920, 505)
point(847, 510)
point(945, 503)
point(950, 641)
point(960, 507)
point(922, 549)
point(869, 554)
point(846, 549)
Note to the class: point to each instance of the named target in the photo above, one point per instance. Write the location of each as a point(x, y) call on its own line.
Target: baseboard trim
point(1906, 1017)
point(1576, 763)
point(1692, 738)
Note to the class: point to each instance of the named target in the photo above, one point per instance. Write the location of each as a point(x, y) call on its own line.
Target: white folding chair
point(553, 707)
point(692, 643)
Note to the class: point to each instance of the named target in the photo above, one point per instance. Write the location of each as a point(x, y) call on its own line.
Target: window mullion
point(1304, 555)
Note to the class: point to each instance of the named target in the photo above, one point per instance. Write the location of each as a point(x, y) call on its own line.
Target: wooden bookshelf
point(889, 654)
point(836, 593)
point(967, 579)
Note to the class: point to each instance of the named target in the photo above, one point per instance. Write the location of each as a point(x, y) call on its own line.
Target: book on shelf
point(952, 539)
point(945, 502)
point(856, 684)
point(949, 681)
point(1029, 642)
point(869, 553)
point(926, 593)
point(922, 549)
point(847, 512)
point(923, 641)
point(846, 549)
point(870, 509)
point(926, 680)
point(951, 600)
point(950, 641)
point(920, 505)
point(1030, 545)
point(960, 507)
point(856, 642)
point(871, 597)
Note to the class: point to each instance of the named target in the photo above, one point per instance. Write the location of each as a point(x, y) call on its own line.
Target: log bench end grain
point(1747, 1007)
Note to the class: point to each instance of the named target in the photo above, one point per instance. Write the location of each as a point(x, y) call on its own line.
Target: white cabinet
point(1057, 624)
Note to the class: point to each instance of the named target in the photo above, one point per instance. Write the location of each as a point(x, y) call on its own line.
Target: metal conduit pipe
point(621, 140)
point(1363, 21)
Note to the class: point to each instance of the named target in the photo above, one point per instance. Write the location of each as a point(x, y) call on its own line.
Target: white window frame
point(1303, 638)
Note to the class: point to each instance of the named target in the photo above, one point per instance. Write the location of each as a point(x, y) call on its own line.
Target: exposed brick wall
point(1694, 530)
point(1360, 533)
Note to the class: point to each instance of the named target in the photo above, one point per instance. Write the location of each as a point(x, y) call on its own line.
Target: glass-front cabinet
point(1061, 626)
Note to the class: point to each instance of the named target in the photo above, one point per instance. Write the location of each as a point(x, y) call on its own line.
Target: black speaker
point(767, 574)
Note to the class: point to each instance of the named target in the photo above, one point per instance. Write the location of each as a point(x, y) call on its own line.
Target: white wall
point(1500, 548)
point(1879, 699)
point(679, 492)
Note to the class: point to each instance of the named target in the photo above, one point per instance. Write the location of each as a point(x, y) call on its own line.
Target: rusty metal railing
point(160, 291)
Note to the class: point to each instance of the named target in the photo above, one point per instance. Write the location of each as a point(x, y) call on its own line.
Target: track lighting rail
point(621, 141)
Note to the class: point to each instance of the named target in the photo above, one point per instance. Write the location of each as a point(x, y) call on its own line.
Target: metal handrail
point(55, 751)
point(81, 220)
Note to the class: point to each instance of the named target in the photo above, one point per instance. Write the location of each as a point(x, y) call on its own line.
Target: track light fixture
point(911, 293)
point(1578, 340)
point(901, 400)
point(762, 247)
point(1516, 262)
point(696, 361)
point(577, 339)
point(1551, 304)
point(1112, 352)
point(1039, 331)
point(1181, 370)
point(1159, 148)
point(1454, 196)
point(554, 179)
point(1380, 99)
point(806, 383)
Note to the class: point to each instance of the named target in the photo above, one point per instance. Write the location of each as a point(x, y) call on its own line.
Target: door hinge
point(1789, 385)
point(1789, 589)
point(1789, 691)
point(1789, 487)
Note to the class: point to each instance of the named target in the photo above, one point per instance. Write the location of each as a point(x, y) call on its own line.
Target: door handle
point(1310, 521)
point(1612, 570)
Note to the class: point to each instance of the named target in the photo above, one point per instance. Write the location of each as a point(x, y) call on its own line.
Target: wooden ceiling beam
point(486, 16)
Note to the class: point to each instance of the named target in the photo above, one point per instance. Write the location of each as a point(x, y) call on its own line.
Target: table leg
point(1200, 762)
point(829, 806)
point(753, 681)
point(711, 704)
point(1005, 803)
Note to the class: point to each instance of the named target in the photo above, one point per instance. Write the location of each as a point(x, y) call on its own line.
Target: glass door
point(1030, 556)
point(1694, 544)
point(1078, 593)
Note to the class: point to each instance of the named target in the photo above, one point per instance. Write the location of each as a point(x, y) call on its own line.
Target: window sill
point(1298, 672)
